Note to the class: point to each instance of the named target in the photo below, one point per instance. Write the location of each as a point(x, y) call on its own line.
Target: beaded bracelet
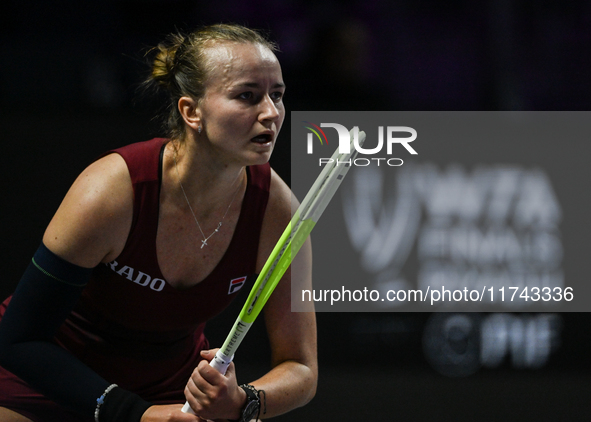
point(101, 400)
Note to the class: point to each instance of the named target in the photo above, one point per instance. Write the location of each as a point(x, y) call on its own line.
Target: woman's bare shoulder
point(93, 221)
point(280, 197)
point(277, 216)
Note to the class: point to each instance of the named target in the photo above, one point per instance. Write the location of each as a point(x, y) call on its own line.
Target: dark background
point(69, 73)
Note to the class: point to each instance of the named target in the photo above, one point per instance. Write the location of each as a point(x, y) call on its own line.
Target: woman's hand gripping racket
point(290, 242)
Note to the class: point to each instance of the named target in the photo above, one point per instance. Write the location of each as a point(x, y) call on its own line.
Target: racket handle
point(220, 362)
point(187, 409)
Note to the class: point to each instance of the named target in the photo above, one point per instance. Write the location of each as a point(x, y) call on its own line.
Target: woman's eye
point(277, 96)
point(246, 96)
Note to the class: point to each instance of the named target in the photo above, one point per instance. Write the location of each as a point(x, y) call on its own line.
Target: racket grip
point(220, 362)
point(187, 409)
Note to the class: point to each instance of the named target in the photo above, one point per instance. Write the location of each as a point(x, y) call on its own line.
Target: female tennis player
point(150, 242)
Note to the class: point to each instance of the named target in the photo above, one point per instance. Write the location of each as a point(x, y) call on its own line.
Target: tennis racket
point(289, 244)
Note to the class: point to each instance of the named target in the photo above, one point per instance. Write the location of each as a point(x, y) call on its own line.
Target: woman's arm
point(90, 227)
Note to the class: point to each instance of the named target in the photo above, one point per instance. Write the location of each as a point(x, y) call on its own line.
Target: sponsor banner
point(449, 211)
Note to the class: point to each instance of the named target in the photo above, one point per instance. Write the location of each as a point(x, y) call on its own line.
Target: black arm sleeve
point(46, 294)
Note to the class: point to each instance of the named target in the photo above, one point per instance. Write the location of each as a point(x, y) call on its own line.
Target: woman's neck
point(202, 179)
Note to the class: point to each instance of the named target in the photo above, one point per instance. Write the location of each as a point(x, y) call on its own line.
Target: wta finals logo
point(493, 225)
point(387, 136)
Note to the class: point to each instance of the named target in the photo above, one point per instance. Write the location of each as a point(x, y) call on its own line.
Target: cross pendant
point(203, 243)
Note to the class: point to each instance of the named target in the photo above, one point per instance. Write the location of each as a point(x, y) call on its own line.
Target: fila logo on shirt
point(236, 284)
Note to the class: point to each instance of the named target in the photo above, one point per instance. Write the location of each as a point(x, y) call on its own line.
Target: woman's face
point(242, 109)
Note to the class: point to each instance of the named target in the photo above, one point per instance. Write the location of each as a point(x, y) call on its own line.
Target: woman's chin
point(261, 153)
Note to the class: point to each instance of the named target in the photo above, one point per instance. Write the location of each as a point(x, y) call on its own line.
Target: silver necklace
point(217, 229)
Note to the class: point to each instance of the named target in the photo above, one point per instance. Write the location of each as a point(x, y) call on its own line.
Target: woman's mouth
point(262, 139)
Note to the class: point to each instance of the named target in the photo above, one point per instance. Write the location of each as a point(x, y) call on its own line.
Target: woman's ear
point(190, 112)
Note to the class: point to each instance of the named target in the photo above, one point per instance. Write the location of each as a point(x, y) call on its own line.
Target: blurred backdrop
point(69, 73)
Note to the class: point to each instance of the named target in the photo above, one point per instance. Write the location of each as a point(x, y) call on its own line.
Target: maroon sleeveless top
point(134, 328)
